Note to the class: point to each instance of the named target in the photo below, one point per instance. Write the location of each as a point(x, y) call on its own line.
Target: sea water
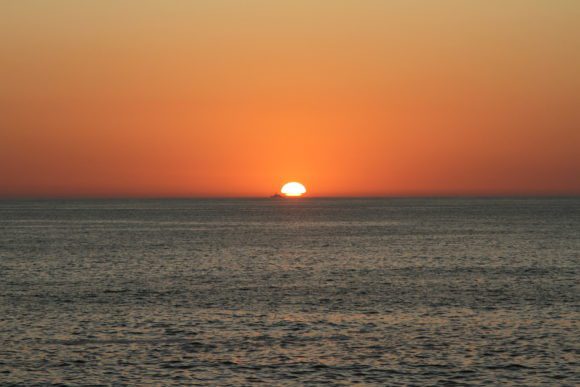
point(284, 292)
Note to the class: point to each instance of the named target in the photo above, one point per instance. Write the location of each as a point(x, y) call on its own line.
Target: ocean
point(394, 291)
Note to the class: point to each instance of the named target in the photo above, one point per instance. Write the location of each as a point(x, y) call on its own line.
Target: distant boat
point(277, 196)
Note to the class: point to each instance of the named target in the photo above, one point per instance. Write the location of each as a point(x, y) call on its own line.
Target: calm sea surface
point(243, 292)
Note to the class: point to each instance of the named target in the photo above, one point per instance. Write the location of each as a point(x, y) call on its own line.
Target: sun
point(293, 189)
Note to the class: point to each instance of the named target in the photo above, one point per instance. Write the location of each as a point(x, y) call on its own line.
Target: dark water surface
point(243, 292)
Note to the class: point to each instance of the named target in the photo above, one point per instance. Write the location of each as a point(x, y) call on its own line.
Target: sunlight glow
point(293, 189)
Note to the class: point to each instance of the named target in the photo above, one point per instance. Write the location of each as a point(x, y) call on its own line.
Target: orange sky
point(234, 98)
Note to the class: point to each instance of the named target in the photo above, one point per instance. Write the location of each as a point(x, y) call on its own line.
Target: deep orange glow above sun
point(223, 97)
point(293, 189)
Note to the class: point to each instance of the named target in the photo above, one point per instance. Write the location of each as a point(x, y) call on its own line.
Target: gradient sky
point(234, 98)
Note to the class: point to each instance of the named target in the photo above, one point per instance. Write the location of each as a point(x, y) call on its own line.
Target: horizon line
point(266, 197)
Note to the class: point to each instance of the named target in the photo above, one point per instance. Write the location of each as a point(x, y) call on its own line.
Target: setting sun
point(293, 189)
